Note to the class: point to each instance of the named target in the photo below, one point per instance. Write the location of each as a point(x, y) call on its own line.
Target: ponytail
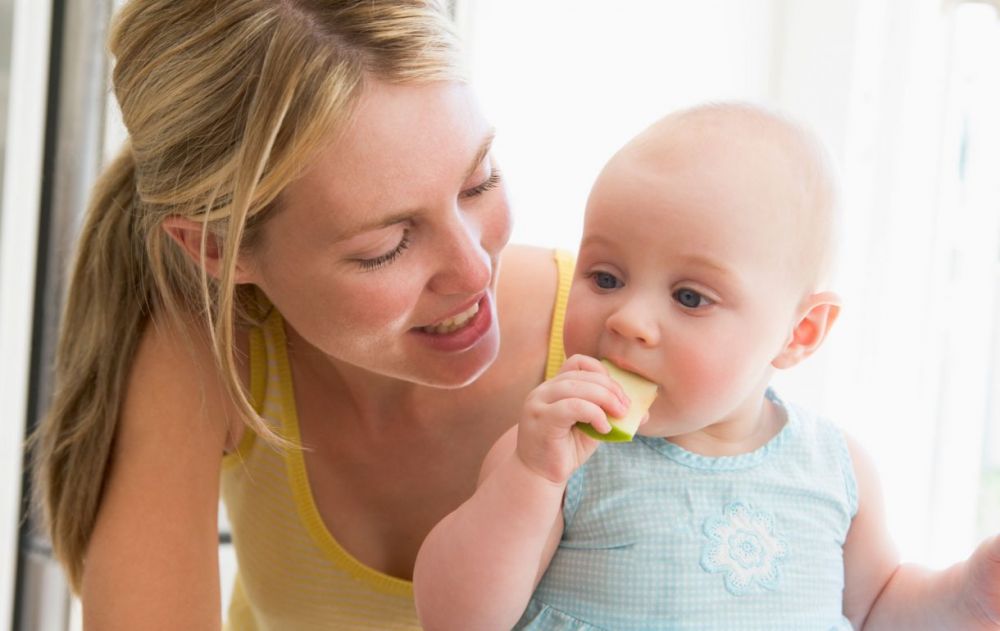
point(110, 283)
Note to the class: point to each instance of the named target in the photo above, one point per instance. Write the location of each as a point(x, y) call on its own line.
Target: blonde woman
point(288, 290)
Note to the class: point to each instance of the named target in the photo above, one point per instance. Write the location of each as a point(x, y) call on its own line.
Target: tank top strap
point(565, 264)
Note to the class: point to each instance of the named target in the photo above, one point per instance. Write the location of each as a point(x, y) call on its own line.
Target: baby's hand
point(982, 587)
point(581, 392)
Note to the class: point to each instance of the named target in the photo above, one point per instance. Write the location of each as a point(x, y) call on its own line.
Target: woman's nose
point(465, 267)
point(635, 320)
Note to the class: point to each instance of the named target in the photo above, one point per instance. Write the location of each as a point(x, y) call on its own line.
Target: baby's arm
point(479, 565)
point(880, 593)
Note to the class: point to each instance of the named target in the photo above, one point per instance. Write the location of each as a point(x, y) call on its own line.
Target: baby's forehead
point(733, 130)
point(743, 163)
point(737, 137)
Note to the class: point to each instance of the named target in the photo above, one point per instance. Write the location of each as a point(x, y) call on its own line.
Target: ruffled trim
point(539, 616)
point(730, 463)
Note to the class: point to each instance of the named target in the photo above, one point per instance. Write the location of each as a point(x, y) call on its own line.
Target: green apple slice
point(641, 394)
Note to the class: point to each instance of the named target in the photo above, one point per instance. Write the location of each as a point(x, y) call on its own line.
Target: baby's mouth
point(453, 323)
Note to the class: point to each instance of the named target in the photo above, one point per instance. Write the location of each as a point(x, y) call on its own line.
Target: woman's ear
point(819, 312)
point(188, 234)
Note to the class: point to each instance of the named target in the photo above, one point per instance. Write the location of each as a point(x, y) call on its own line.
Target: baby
point(705, 251)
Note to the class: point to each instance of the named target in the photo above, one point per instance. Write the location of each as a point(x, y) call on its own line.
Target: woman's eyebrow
point(399, 217)
point(378, 224)
point(483, 150)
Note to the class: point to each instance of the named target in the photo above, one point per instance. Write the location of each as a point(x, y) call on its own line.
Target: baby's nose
point(636, 322)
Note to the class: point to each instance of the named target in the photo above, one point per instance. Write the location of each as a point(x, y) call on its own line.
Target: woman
point(299, 246)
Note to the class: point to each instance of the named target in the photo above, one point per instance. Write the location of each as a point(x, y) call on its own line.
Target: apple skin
point(616, 435)
point(641, 393)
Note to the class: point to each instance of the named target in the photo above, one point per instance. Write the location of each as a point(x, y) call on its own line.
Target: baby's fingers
point(593, 387)
point(581, 368)
point(598, 390)
point(573, 411)
point(582, 362)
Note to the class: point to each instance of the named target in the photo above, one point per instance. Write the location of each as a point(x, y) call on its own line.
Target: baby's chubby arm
point(882, 594)
point(478, 567)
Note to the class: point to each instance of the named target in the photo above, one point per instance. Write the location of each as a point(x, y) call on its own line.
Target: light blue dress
point(658, 537)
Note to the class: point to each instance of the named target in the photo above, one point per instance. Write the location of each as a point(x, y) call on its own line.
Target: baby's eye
point(691, 299)
point(604, 280)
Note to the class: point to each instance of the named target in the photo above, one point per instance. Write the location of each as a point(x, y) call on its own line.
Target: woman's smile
point(453, 323)
point(461, 331)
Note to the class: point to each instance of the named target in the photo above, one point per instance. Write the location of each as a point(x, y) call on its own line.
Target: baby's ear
point(187, 233)
point(817, 314)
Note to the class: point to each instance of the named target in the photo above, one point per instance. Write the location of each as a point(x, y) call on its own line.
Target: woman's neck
point(370, 400)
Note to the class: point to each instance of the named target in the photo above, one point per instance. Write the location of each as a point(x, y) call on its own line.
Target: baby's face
point(684, 277)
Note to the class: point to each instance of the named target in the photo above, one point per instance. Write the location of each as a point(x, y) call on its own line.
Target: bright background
point(905, 95)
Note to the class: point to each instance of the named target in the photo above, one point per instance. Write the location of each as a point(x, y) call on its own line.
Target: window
point(24, 39)
point(966, 492)
point(975, 97)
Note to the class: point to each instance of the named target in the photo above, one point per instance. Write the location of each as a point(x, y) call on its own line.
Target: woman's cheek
point(498, 230)
point(379, 300)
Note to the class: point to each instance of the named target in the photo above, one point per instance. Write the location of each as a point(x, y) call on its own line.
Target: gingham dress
point(658, 537)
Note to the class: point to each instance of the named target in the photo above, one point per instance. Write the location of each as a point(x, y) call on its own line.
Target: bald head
point(776, 165)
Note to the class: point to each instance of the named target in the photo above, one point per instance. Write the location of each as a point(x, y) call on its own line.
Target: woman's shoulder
point(174, 377)
point(529, 278)
point(527, 286)
point(526, 298)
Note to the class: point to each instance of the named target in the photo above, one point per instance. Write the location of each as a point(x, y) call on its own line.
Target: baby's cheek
point(703, 373)
point(577, 340)
point(580, 334)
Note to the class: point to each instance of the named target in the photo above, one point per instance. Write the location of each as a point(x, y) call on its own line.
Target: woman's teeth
point(453, 323)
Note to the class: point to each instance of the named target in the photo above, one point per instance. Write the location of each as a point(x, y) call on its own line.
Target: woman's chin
point(463, 369)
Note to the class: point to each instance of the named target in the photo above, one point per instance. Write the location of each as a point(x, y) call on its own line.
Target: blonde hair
point(224, 102)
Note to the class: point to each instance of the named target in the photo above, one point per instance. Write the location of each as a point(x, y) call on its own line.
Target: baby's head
point(706, 244)
point(738, 165)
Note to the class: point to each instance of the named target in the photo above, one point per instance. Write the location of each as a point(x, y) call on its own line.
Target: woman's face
point(383, 255)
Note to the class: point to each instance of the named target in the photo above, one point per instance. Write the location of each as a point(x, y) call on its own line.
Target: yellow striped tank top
point(293, 575)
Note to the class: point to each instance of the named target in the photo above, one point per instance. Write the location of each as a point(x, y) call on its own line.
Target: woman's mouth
point(453, 323)
point(461, 331)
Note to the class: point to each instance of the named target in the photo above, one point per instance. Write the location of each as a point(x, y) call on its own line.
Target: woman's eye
point(388, 257)
point(489, 183)
point(604, 280)
point(691, 299)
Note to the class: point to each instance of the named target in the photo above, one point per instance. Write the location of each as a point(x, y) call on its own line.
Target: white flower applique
point(743, 545)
